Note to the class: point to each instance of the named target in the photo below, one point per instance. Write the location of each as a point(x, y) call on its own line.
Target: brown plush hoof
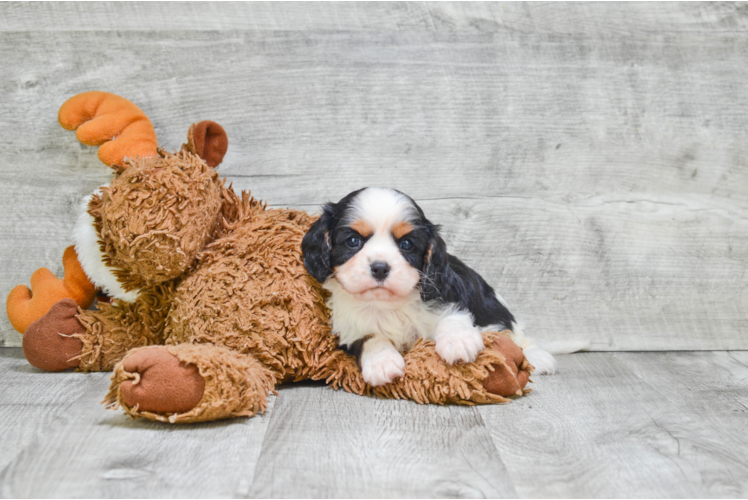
point(48, 343)
point(163, 383)
point(510, 378)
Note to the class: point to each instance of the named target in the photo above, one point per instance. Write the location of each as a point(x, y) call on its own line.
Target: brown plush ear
point(209, 141)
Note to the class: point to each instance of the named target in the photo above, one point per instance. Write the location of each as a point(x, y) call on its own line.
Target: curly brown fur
point(251, 293)
point(113, 329)
point(223, 287)
point(426, 378)
point(224, 308)
point(156, 216)
point(236, 385)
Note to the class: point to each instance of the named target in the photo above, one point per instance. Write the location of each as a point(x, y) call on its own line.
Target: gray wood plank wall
point(590, 160)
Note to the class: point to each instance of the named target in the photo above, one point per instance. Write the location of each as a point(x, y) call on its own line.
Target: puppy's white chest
point(402, 322)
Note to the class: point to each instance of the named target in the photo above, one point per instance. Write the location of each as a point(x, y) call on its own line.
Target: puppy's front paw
point(460, 344)
point(382, 367)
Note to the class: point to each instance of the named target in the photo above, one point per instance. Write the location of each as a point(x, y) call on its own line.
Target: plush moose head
point(148, 225)
point(160, 210)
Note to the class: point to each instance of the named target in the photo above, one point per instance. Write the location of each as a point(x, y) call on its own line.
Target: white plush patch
point(92, 259)
point(456, 337)
point(380, 362)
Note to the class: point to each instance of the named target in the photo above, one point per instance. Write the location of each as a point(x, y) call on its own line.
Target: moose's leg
point(499, 372)
point(114, 329)
point(93, 340)
point(186, 383)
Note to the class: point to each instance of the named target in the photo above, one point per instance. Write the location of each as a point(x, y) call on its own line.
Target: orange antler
point(25, 306)
point(118, 126)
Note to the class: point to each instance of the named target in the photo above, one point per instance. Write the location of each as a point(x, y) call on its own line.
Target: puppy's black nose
point(380, 270)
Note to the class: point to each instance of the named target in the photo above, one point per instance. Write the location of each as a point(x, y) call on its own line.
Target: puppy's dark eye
point(353, 242)
point(406, 245)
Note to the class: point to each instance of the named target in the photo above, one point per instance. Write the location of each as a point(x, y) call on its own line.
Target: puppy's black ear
point(316, 247)
point(434, 265)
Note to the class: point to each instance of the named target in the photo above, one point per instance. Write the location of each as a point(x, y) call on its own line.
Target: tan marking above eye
point(361, 227)
point(401, 229)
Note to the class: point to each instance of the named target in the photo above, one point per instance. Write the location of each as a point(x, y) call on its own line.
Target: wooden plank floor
point(607, 425)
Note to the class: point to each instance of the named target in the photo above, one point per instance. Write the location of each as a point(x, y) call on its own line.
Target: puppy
point(391, 282)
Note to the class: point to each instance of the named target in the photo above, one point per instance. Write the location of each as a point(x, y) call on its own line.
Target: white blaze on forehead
point(381, 208)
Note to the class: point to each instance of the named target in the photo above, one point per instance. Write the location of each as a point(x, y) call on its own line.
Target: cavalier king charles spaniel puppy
point(391, 282)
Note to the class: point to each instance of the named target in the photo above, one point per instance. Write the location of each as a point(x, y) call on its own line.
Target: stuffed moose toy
point(204, 302)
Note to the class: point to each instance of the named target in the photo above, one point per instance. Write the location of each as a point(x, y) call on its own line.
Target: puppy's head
point(375, 242)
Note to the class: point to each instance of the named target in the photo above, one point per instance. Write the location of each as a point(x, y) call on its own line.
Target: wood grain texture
point(588, 159)
point(602, 189)
point(88, 451)
point(668, 424)
point(31, 400)
point(614, 19)
point(629, 424)
point(322, 443)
